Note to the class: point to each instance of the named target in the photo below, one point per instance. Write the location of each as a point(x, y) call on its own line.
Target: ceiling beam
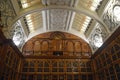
point(38, 8)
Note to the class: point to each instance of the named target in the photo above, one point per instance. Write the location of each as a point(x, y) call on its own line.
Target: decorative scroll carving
point(7, 12)
point(69, 46)
point(57, 35)
point(109, 17)
point(96, 38)
point(17, 34)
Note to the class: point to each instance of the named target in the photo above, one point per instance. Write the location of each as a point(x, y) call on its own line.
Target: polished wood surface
point(103, 65)
point(46, 44)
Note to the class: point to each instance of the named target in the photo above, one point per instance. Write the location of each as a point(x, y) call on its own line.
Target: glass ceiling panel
point(34, 21)
point(90, 4)
point(95, 4)
point(84, 22)
point(28, 3)
point(78, 21)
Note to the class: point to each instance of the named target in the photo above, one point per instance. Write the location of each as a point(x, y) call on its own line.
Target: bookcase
point(57, 69)
point(61, 65)
point(9, 63)
point(107, 62)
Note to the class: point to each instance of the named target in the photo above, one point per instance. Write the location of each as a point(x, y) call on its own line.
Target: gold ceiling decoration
point(80, 21)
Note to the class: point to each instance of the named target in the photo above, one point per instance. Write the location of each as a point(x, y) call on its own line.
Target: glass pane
point(68, 64)
point(90, 77)
point(54, 64)
point(83, 69)
point(111, 70)
point(84, 77)
point(69, 69)
point(30, 77)
point(39, 69)
point(118, 76)
point(118, 54)
point(24, 77)
point(103, 57)
point(117, 67)
point(113, 77)
point(61, 64)
point(61, 77)
point(46, 77)
point(82, 64)
point(69, 77)
point(76, 77)
point(31, 64)
point(25, 64)
point(117, 47)
point(61, 69)
point(39, 77)
point(54, 69)
point(75, 64)
point(24, 69)
point(31, 69)
point(112, 50)
point(75, 69)
point(54, 77)
point(89, 70)
point(46, 69)
point(40, 64)
point(114, 57)
point(107, 72)
point(46, 64)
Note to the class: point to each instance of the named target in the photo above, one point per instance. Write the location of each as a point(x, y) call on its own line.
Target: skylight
point(95, 4)
point(93, 7)
point(30, 23)
point(28, 3)
point(85, 24)
point(33, 20)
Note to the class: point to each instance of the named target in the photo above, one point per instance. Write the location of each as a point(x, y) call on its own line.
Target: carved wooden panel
point(69, 44)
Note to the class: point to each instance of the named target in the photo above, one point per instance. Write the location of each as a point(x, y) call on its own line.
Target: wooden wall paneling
point(54, 68)
point(107, 59)
point(54, 41)
point(37, 47)
point(44, 46)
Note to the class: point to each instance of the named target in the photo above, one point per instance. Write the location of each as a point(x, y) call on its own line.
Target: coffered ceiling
point(92, 20)
point(59, 19)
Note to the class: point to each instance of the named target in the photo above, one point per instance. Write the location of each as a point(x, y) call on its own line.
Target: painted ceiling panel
point(79, 17)
point(59, 19)
point(34, 21)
